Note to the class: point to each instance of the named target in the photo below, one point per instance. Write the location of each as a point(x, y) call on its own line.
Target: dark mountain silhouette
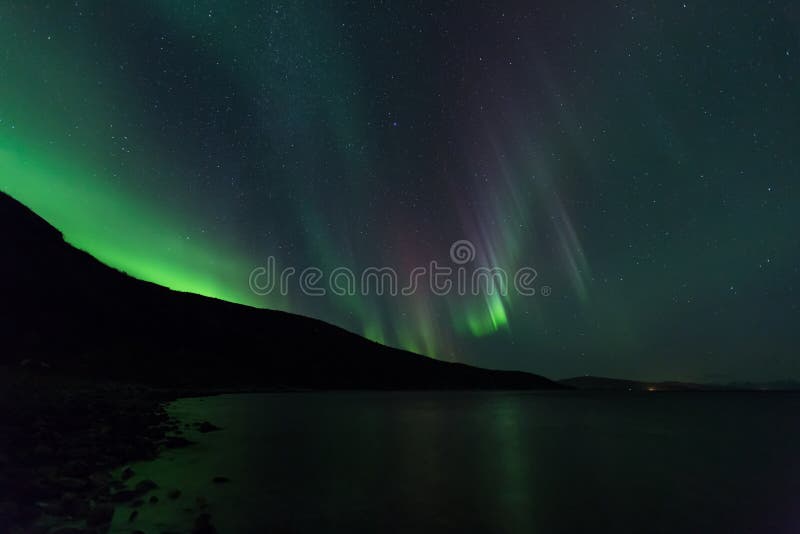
point(598, 383)
point(62, 306)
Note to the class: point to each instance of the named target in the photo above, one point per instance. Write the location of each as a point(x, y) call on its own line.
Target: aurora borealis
point(641, 156)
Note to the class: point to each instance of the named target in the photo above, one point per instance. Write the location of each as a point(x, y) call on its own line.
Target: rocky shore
point(62, 438)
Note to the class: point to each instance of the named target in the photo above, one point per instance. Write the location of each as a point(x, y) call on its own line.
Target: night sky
point(641, 156)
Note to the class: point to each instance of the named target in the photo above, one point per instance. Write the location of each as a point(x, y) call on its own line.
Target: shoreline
point(67, 443)
point(61, 438)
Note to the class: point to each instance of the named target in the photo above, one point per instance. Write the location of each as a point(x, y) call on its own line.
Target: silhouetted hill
point(61, 305)
point(597, 383)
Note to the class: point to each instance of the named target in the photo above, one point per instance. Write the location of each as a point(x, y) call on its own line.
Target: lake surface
point(482, 462)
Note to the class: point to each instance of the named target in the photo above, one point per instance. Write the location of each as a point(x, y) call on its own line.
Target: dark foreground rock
point(59, 440)
point(206, 427)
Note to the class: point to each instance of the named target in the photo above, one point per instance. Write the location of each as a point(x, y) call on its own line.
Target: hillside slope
point(62, 306)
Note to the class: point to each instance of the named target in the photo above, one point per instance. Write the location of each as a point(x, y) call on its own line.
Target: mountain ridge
point(602, 383)
point(63, 306)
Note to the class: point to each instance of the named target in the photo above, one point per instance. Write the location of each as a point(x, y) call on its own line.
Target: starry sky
point(641, 156)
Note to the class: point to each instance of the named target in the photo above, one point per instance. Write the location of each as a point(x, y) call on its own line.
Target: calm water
point(484, 462)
